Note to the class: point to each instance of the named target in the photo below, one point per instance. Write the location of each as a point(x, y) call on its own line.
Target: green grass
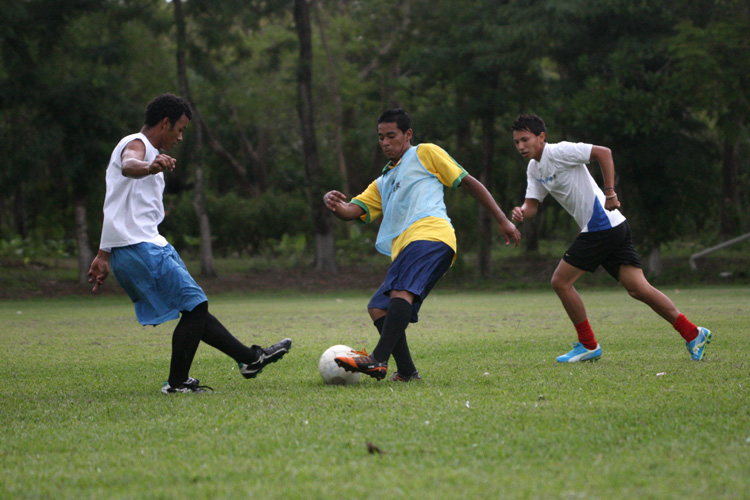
point(495, 417)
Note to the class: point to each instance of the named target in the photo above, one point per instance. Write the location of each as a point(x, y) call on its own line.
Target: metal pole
point(715, 248)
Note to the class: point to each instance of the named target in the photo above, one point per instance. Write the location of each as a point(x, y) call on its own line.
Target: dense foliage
point(662, 83)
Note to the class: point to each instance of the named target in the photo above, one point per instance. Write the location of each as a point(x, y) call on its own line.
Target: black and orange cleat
point(364, 364)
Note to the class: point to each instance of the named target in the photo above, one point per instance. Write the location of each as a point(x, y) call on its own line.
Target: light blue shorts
point(156, 280)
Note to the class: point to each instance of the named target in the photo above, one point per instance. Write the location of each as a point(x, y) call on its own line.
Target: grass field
point(495, 417)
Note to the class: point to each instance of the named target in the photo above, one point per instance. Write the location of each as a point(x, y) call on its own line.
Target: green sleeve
point(366, 219)
point(458, 180)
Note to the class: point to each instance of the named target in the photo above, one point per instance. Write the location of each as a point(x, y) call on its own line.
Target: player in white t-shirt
point(605, 240)
point(147, 267)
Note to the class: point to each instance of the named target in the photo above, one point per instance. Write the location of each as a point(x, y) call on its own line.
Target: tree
point(325, 250)
point(489, 54)
point(199, 202)
point(712, 40)
point(333, 88)
point(616, 88)
point(64, 86)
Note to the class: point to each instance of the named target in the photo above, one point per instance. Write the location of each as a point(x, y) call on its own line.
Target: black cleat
point(267, 356)
point(397, 377)
point(190, 385)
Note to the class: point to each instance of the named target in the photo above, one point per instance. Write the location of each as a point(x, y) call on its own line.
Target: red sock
point(586, 335)
point(688, 330)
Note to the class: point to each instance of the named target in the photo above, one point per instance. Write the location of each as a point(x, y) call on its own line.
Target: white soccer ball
point(332, 373)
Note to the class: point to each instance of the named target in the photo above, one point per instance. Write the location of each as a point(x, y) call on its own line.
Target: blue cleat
point(698, 344)
point(580, 353)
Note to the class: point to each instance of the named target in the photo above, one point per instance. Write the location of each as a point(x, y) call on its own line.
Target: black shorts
point(609, 248)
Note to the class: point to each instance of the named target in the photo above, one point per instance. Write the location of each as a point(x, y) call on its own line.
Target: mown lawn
point(495, 416)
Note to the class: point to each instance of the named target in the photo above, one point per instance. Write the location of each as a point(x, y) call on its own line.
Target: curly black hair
point(167, 105)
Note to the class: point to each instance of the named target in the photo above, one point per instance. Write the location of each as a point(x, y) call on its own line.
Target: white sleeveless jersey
point(133, 208)
point(562, 173)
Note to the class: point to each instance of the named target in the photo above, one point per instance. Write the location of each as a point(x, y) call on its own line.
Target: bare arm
point(135, 167)
point(477, 190)
point(607, 164)
point(526, 211)
point(336, 202)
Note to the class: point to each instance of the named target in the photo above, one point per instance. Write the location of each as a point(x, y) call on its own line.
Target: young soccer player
point(415, 232)
point(146, 266)
point(605, 239)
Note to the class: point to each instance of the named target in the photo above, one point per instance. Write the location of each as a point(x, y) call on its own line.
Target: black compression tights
point(197, 325)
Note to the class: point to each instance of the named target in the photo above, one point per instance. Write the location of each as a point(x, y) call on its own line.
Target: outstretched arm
point(336, 202)
point(526, 211)
point(607, 164)
point(480, 193)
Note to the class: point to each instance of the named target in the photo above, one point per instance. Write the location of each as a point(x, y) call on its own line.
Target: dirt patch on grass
point(44, 281)
point(41, 283)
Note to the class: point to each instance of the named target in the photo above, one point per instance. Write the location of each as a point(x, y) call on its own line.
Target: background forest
point(287, 93)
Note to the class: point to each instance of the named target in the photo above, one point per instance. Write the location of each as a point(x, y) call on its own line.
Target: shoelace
point(194, 384)
point(360, 353)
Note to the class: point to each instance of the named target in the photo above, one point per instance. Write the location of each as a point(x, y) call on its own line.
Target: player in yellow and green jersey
point(415, 232)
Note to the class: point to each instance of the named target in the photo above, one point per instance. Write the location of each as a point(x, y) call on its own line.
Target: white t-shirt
point(133, 208)
point(563, 174)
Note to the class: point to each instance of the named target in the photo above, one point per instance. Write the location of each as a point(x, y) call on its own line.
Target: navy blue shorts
point(156, 280)
point(417, 269)
point(609, 248)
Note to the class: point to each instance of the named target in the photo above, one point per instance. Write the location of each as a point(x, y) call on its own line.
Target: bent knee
point(376, 313)
point(559, 284)
point(640, 291)
point(636, 294)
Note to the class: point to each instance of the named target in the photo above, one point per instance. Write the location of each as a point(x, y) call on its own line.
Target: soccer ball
point(332, 373)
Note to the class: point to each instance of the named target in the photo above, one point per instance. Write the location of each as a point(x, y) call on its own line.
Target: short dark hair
point(531, 123)
point(167, 105)
point(397, 116)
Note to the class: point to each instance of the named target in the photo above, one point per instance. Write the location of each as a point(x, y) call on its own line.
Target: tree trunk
point(258, 158)
point(463, 125)
point(484, 253)
point(654, 262)
point(531, 229)
point(85, 255)
point(730, 195)
point(206, 252)
point(333, 89)
point(19, 212)
point(325, 256)
point(199, 204)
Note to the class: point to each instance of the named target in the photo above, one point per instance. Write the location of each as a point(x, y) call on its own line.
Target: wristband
point(613, 195)
point(607, 189)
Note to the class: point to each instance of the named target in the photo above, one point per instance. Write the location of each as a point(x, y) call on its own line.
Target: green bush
point(238, 225)
point(17, 251)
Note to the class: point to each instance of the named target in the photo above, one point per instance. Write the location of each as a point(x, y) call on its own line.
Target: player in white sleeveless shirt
point(605, 239)
point(147, 267)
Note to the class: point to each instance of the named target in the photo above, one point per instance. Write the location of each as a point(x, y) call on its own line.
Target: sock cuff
point(582, 325)
point(679, 321)
point(685, 327)
point(586, 334)
point(399, 302)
